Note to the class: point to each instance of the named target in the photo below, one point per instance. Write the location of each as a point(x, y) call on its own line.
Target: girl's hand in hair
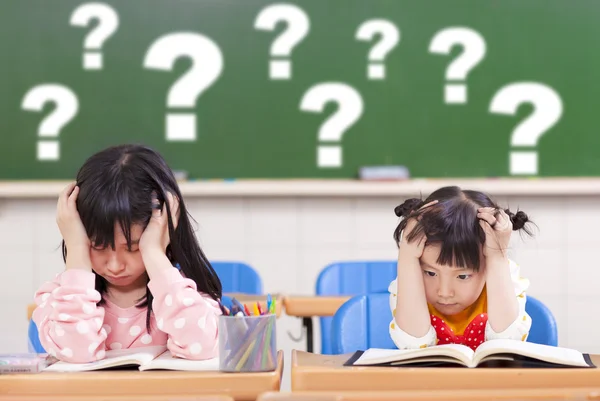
point(68, 220)
point(72, 229)
point(416, 247)
point(497, 227)
point(156, 235)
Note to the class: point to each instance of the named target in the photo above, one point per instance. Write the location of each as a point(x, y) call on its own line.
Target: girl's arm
point(68, 319)
point(518, 328)
point(502, 304)
point(189, 318)
point(411, 326)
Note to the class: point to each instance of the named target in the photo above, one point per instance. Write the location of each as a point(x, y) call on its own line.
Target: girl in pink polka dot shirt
point(125, 227)
point(455, 283)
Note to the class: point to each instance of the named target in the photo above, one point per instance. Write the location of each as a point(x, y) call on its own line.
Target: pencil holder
point(247, 343)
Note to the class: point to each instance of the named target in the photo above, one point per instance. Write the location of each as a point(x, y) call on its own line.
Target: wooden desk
point(117, 398)
point(574, 394)
point(313, 305)
point(240, 297)
point(131, 383)
point(314, 372)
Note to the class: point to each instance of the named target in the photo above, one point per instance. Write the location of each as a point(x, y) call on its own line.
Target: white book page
point(113, 358)
point(547, 353)
point(168, 362)
point(377, 355)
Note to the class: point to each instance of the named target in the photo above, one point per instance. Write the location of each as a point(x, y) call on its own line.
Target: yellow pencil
point(244, 357)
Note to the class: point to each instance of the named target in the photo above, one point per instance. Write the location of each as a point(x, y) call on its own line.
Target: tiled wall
point(290, 239)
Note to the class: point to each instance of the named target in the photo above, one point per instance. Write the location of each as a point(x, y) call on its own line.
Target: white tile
point(545, 269)
point(583, 322)
point(548, 216)
point(581, 273)
point(583, 218)
point(375, 220)
point(376, 252)
point(219, 221)
point(49, 263)
point(17, 224)
point(47, 234)
point(225, 253)
point(276, 266)
point(327, 221)
point(14, 323)
point(16, 275)
point(272, 221)
point(311, 260)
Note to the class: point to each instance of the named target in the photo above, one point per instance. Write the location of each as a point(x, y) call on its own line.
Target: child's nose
point(445, 290)
point(114, 265)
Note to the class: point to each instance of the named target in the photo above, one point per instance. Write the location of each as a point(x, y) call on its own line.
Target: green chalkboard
point(246, 124)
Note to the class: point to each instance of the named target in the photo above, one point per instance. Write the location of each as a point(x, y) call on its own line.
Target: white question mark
point(298, 26)
point(390, 36)
point(67, 107)
point(474, 51)
point(108, 22)
point(207, 65)
point(548, 109)
point(350, 110)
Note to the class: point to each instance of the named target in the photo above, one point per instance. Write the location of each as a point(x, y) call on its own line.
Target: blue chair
point(351, 278)
point(372, 314)
point(238, 277)
point(34, 344)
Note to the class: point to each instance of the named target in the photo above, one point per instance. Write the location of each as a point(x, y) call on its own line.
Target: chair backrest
point(34, 344)
point(362, 322)
point(352, 278)
point(238, 277)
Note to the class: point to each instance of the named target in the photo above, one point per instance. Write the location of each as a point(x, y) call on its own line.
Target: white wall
point(290, 238)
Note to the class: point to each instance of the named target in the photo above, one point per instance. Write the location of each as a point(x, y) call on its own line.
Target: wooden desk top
point(313, 305)
point(117, 398)
point(240, 297)
point(315, 372)
point(553, 394)
point(131, 383)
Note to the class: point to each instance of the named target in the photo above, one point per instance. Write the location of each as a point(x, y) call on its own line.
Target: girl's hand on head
point(497, 227)
point(415, 248)
point(156, 235)
point(68, 220)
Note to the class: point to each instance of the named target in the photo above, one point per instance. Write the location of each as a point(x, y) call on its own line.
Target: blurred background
point(270, 111)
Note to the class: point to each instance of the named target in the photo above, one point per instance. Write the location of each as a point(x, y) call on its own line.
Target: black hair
point(452, 222)
point(116, 186)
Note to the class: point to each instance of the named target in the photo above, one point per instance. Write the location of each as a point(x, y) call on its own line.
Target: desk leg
point(307, 322)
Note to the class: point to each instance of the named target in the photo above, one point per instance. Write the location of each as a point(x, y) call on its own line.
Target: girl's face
point(450, 289)
point(121, 267)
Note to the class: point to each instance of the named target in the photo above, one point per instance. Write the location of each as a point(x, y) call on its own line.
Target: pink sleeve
point(186, 316)
point(68, 320)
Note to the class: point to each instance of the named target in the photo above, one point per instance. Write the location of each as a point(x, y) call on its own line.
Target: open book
point(146, 358)
point(523, 353)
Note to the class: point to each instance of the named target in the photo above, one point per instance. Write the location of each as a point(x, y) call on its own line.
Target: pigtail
point(404, 210)
point(409, 206)
point(519, 220)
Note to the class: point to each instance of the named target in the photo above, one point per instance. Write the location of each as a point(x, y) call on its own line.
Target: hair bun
point(408, 206)
point(518, 219)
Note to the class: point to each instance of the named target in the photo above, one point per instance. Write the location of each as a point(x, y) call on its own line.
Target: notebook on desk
point(144, 358)
point(492, 353)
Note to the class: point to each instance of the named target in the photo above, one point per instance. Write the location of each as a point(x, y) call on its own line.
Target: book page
point(113, 358)
point(375, 356)
point(169, 362)
point(547, 353)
